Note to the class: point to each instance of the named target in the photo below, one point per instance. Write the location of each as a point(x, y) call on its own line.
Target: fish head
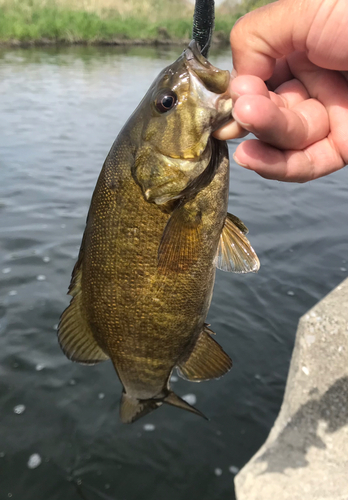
point(185, 104)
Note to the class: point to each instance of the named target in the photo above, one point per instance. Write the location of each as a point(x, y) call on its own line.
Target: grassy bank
point(107, 21)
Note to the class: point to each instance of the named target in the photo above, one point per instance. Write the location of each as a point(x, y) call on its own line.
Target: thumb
point(268, 33)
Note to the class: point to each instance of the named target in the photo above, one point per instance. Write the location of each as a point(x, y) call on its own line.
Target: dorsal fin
point(235, 254)
point(74, 334)
point(207, 360)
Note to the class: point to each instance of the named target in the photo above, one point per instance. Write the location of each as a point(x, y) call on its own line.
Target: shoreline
point(30, 23)
point(116, 42)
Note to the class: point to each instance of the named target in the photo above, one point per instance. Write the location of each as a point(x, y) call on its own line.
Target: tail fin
point(174, 400)
point(131, 408)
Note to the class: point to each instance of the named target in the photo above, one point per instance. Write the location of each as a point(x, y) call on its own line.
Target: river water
point(60, 434)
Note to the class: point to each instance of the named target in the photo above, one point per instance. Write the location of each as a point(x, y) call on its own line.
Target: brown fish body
point(143, 282)
point(143, 319)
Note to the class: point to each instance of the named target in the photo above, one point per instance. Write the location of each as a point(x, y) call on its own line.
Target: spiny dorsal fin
point(174, 400)
point(207, 360)
point(180, 242)
point(235, 254)
point(74, 334)
point(131, 408)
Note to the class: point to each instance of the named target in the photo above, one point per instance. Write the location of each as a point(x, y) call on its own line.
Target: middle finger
point(295, 128)
point(289, 94)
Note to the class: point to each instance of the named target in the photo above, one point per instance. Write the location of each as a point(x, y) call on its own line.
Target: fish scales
point(143, 282)
point(151, 327)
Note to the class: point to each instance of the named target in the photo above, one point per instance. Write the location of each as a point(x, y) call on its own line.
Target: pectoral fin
point(207, 360)
point(237, 222)
point(74, 334)
point(235, 254)
point(180, 242)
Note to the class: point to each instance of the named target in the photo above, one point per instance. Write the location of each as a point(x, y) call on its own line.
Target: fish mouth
point(210, 83)
point(214, 79)
point(193, 52)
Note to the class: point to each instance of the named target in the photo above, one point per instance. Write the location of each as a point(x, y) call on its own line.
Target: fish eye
point(166, 101)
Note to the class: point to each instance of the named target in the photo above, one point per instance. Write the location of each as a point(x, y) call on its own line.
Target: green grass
point(75, 26)
point(28, 21)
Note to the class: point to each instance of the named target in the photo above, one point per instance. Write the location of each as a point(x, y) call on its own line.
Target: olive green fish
point(157, 229)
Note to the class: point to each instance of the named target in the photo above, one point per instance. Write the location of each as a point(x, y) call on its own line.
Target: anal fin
point(74, 334)
point(207, 360)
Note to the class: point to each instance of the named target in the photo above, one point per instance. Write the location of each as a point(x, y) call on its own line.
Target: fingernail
point(234, 95)
point(244, 125)
point(239, 162)
point(233, 73)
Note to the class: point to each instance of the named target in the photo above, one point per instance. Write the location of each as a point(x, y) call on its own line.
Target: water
point(60, 110)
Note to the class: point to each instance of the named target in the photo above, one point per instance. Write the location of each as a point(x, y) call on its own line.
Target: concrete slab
point(306, 453)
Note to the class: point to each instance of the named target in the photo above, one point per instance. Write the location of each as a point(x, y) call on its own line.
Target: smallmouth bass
point(156, 230)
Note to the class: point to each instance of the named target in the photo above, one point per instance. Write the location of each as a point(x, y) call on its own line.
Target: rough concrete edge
point(286, 407)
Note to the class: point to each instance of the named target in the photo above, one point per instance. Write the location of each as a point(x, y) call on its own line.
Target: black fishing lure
point(203, 24)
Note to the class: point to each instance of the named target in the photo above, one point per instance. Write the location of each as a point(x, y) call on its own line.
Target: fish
point(156, 231)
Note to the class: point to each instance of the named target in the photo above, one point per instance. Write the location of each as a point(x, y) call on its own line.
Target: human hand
point(300, 47)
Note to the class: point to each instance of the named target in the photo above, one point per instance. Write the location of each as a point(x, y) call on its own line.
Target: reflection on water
point(60, 435)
